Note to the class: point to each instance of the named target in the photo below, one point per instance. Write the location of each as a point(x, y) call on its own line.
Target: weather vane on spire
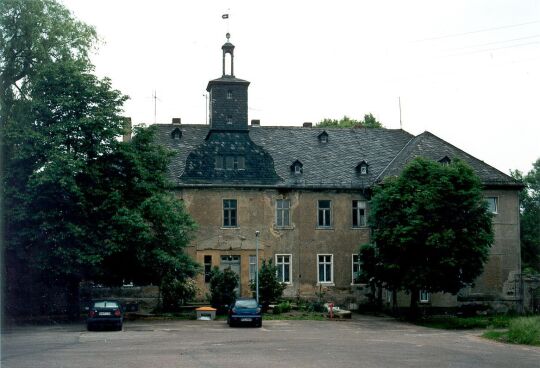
point(226, 17)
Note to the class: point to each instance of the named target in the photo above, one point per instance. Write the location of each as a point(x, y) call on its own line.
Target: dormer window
point(176, 133)
point(362, 168)
point(229, 119)
point(229, 95)
point(297, 167)
point(323, 137)
point(445, 160)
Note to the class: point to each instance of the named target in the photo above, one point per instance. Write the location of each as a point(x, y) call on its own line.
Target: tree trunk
point(379, 297)
point(413, 309)
point(73, 308)
point(395, 308)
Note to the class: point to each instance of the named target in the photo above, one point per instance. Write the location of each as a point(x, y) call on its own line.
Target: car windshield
point(106, 304)
point(251, 303)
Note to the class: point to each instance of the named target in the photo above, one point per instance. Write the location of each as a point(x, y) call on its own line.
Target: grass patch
point(521, 330)
point(465, 323)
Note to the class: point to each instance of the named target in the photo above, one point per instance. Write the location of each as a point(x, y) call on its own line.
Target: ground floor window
point(355, 268)
point(252, 268)
point(207, 268)
point(425, 297)
point(325, 268)
point(283, 265)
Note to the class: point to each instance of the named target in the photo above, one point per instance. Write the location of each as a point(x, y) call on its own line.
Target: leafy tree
point(346, 122)
point(530, 218)
point(270, 289)
point(431, 229)
point(222, 288)
point(78, 204)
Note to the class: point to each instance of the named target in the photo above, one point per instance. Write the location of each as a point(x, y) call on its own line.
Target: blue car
point(105, 313)
point(245, 311)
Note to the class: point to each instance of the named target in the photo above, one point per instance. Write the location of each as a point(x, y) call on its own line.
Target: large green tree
point(77, 203)
point(530, 218)
point(346, 122)
point(431, 229)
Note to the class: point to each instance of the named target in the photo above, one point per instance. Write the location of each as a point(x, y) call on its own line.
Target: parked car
point(245, 311)
point(105, 313)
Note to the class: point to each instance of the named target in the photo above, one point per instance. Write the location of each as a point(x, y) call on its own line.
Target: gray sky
point(467, 71)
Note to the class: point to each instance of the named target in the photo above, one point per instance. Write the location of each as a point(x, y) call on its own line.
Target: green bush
point(282, 307)
point(176, 292)
point(525, 330)
point(270, 289)
point(222, 285)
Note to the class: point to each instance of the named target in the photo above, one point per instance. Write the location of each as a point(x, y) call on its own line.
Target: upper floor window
point(176, 133)
point(297, 167)
point(445, 160)
point(229, 119)
point(229, 95)
point(359, 216)
point(230, 213)
point(324, 213)
point(323, 137)
point(362, 167)
point(355, 268)
point(283, 212)
point(229, 162)
point(283, 265)
point(493, 204)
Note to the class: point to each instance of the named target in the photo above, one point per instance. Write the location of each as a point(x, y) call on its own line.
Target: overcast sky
point(467, 71)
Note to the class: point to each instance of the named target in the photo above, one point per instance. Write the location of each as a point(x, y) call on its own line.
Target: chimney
point(176, 121)
point(307, 125)
point(255, 123)
point(127, 130)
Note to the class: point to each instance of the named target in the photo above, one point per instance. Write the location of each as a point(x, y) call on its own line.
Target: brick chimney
point(307, 125)
point(127, 130)
point(255, 123)
point(176, 121)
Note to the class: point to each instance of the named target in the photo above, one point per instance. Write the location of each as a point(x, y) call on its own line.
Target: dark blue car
point(245, 311)
point(105, 313)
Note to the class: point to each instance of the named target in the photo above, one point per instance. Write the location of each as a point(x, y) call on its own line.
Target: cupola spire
point(228, 48)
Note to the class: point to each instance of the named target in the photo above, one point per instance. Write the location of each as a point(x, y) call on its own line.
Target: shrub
point(176, 292)
point(222, 285)
point(270, 289)
point(525, 330)
point(282, 307)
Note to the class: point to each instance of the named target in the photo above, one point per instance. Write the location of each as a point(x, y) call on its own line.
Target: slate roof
point(430, 146)
point(331, 164)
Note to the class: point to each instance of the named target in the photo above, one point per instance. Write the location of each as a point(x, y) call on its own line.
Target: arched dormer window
point(323, 137)
point(362, 168)
point(176, 133)
point(445, 160)
point(297, 167)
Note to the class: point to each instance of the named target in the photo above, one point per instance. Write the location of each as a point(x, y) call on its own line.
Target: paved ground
point(363, 342)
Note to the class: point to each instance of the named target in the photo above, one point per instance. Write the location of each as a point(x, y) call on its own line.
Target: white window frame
point(326, 210)
point(424, 296)
point(297, 169)
point(495, 201)
point(357, 210)
point(363, 170)
point(331, 282)
point(283, 210)
point(252, 267)
point(352, 267)
point(282, 266)
point(230, 209)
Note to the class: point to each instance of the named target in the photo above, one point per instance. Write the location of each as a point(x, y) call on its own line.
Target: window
point(297, 169)
point(325, 268)
point(493, 204)
point(229, 162)
point(355, 268)
point(424, 296)
point(283, 265)
point(324, 213)
point(359, 218)
point(218, 162)
point(239, 163)
point(362, 167)
point(283, 208)
point(252, 268)
point(229, 213)
point(207, 268)
point(229, 119)
point(363, 170)
point(229, 95)
point(388, 295)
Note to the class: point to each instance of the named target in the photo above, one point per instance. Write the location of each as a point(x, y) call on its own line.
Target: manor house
point(305, 191)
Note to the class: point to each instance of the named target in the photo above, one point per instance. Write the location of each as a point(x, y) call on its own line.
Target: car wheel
point(259, 324)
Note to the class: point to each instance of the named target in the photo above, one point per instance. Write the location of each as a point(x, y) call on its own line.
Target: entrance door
point(232, 262)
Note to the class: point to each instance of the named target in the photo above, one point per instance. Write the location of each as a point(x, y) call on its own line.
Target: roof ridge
point(395, 157)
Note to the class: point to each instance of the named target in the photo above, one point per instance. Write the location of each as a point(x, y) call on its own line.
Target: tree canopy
point(346, 122)
point(431, 229)
point(530, 218)
point(78, 203)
